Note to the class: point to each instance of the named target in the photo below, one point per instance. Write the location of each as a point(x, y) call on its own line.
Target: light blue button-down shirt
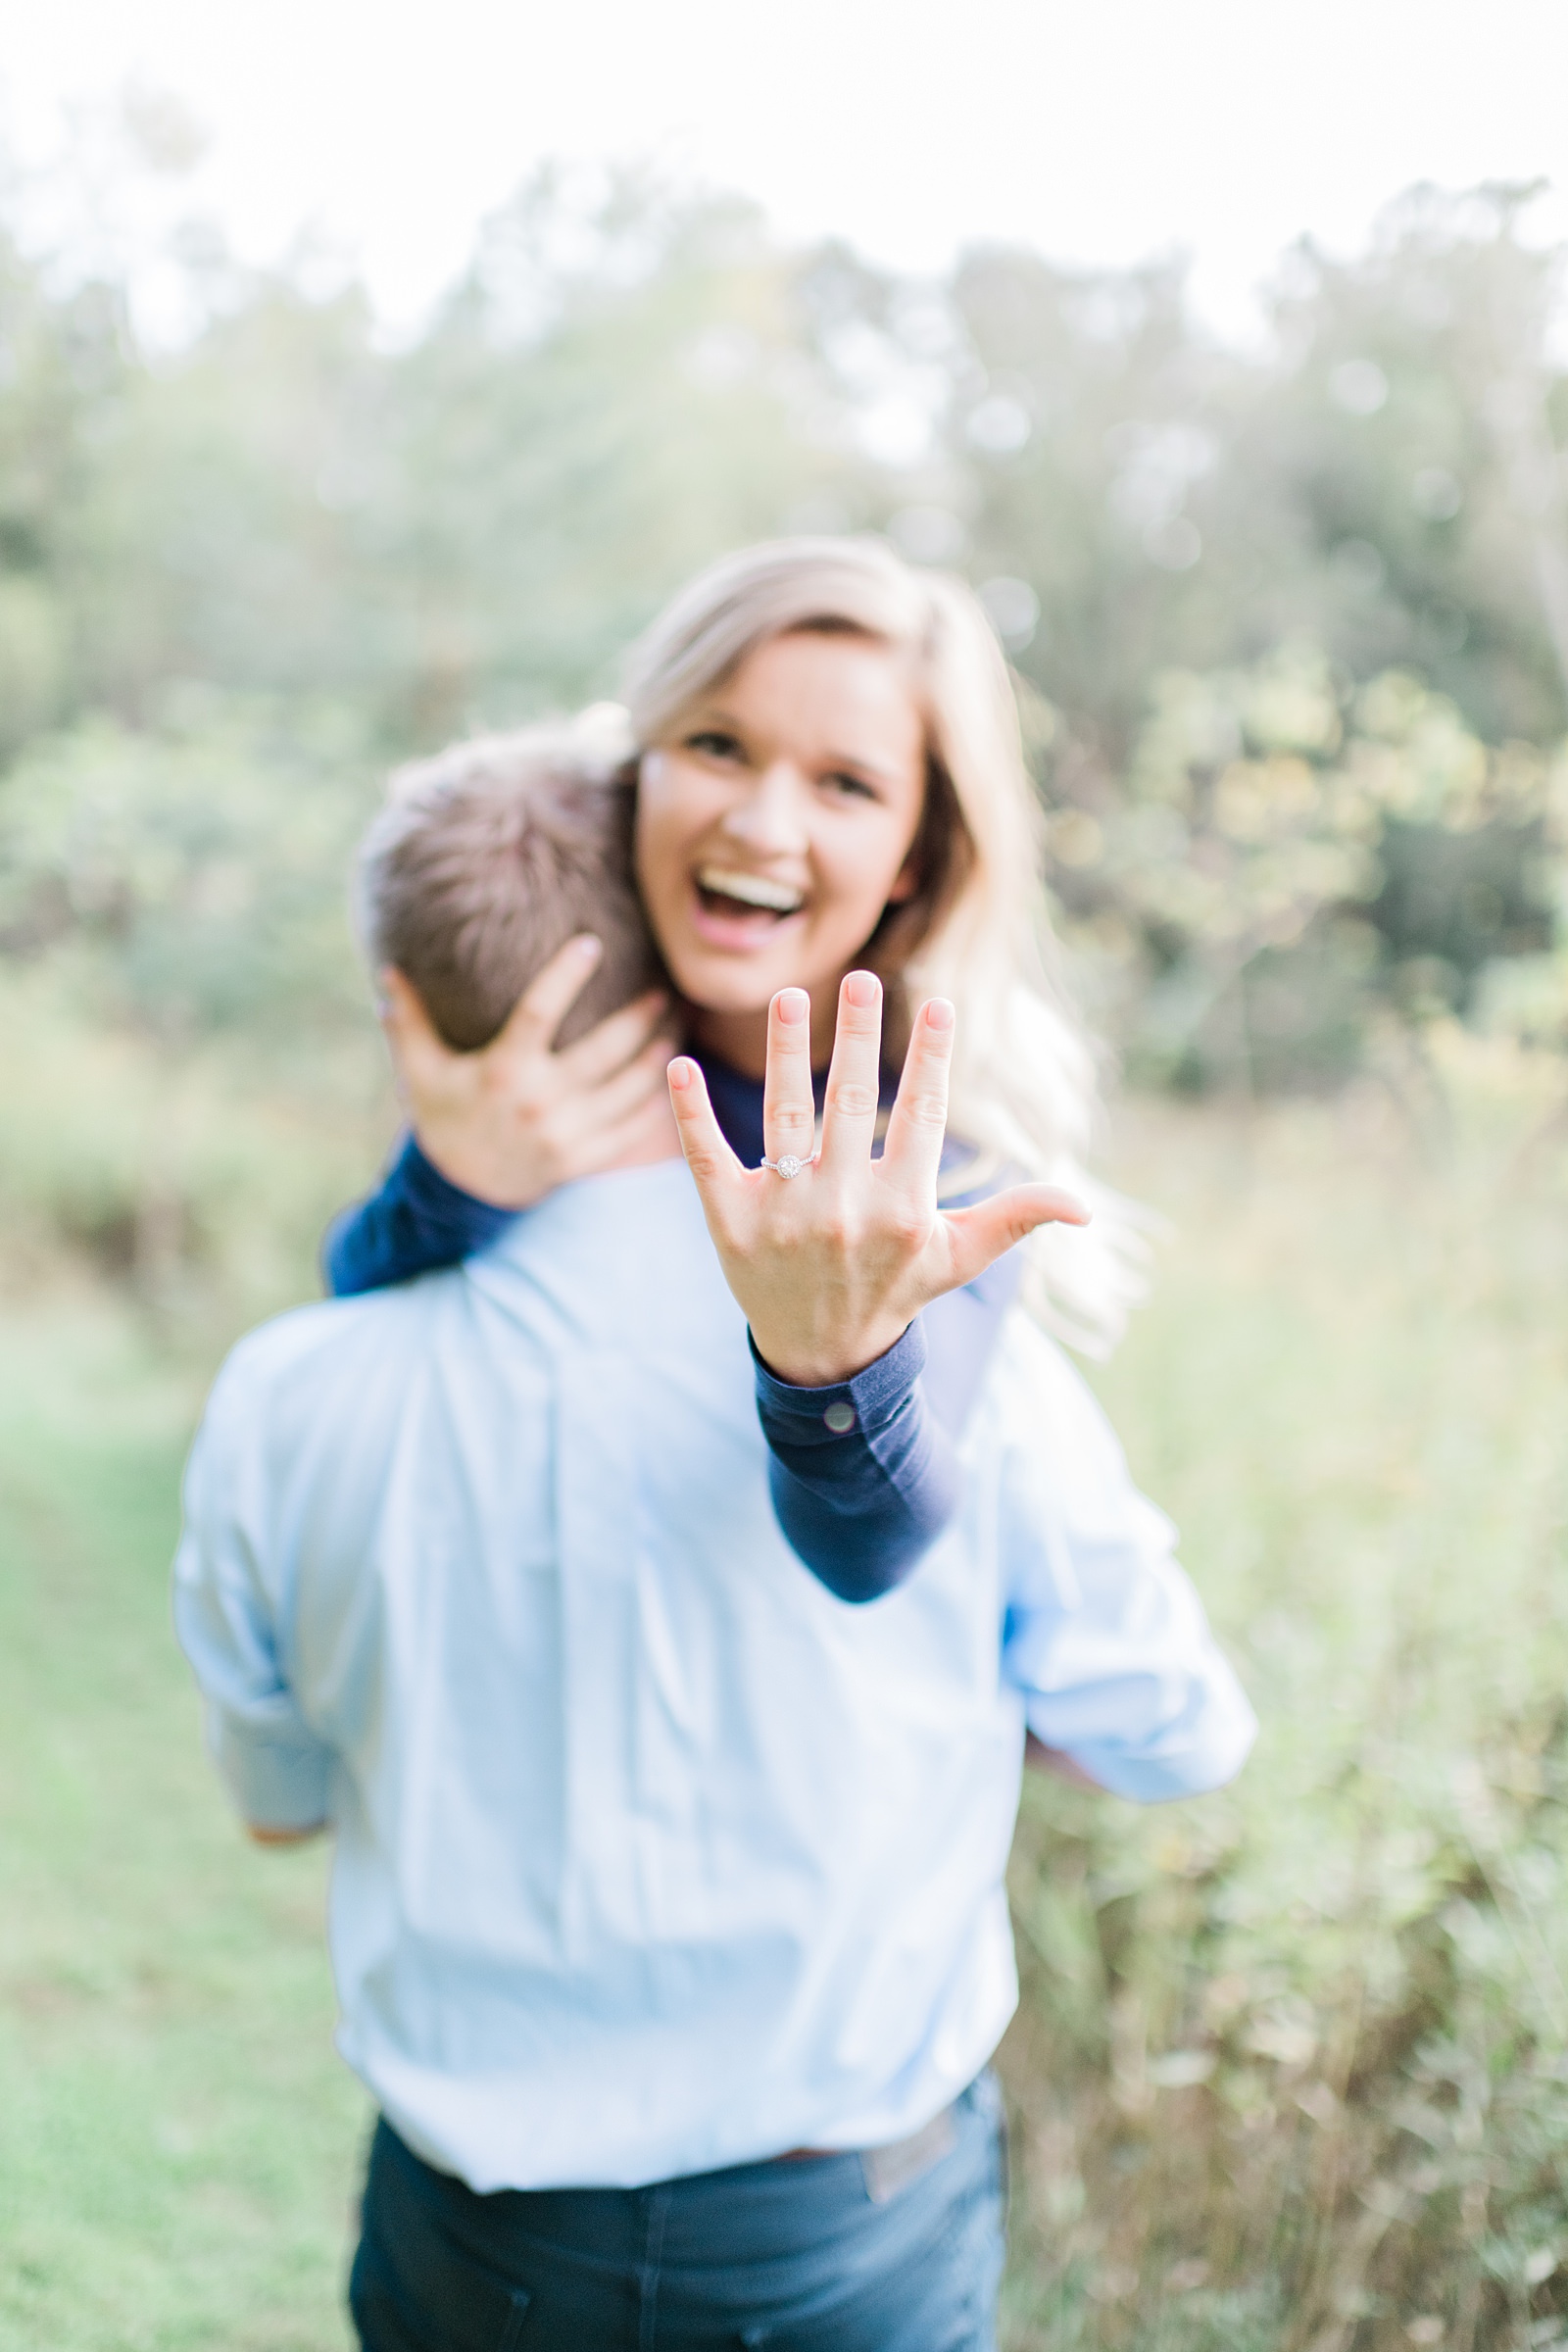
point(650, 1856)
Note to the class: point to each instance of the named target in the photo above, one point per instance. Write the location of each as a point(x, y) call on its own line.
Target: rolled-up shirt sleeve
point(277, 1772)
point(1104, 1634)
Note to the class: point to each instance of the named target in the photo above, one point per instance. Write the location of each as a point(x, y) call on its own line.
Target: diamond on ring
point(785, 1165)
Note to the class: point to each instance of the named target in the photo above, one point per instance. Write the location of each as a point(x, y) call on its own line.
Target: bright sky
point(1098, 130)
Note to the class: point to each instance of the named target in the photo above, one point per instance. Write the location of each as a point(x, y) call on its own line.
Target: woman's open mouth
point(740, 909)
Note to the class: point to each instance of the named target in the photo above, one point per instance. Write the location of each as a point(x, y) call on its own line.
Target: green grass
point(1290, 2070)
point(178, 2146)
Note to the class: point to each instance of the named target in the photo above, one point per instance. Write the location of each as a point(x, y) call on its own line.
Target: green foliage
point(476, 520)
point(1378, 480)
point(1289, 2065)
point(1286, 850)
point(470, 527)
point(191, 876)
point(189, 1080)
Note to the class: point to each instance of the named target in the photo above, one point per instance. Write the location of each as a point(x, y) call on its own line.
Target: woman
point(832, 774)
point(834, 824)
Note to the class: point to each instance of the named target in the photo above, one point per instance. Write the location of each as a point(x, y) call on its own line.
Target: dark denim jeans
point(813, 2254)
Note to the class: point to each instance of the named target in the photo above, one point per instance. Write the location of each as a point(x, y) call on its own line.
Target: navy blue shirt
point(863, 1473)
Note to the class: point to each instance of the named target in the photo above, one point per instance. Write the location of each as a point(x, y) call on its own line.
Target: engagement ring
point(786, 1165)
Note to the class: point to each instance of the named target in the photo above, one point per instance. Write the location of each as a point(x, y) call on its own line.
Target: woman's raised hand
point(513, 1120)
point(833, 1264)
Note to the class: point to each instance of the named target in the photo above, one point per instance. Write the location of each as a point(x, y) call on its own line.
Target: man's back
point(651, 1856)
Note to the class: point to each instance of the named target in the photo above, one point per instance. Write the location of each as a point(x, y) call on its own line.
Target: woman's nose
point(771, 818)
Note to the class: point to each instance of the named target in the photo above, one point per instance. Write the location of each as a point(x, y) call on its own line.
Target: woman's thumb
point(984, 1233)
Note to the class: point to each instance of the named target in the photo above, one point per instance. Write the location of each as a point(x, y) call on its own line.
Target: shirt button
point(839, 1418)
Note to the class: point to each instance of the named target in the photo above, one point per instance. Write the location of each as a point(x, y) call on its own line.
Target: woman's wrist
point(831, 1365)
point(884, 1377)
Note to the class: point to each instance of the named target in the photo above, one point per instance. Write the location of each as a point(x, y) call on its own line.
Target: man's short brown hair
point(490, 857)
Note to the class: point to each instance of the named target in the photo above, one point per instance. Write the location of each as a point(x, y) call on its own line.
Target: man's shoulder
point(326, 1338)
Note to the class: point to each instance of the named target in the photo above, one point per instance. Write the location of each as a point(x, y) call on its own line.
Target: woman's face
point(775, 829)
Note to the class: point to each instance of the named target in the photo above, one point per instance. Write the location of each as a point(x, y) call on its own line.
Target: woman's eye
point(848, 786)
point(714, 744)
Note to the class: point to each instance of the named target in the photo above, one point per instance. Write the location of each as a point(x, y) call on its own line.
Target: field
point(1291, 2068)
point(178, 2144)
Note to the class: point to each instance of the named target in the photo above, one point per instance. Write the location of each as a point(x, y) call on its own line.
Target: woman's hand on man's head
point(833, 1264)
point(513, 1119)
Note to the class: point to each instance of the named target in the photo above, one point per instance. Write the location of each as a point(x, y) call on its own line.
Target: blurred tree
point(610, 398)
point(1391, 433)
point(467, 529)
point(379, 546)
point(1285, 850)
point(190, 877)
point(1382, 478)
point(62, 364)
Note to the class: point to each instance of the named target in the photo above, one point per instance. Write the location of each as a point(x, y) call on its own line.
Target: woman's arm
point(865, 1473)
point(494, 1130)
point(838, 1266)
point(417, 1221)
point(864, 1479)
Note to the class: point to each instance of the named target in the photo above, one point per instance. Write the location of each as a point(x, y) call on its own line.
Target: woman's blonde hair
point(1025, 1080)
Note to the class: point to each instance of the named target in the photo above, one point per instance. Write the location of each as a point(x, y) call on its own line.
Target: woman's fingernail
point(589, 948)
point(680, 1073)
point(794, 1005)
point(862, 989)
point(939, 1014)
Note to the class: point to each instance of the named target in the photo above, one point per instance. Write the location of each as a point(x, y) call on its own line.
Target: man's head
point(487, 858)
